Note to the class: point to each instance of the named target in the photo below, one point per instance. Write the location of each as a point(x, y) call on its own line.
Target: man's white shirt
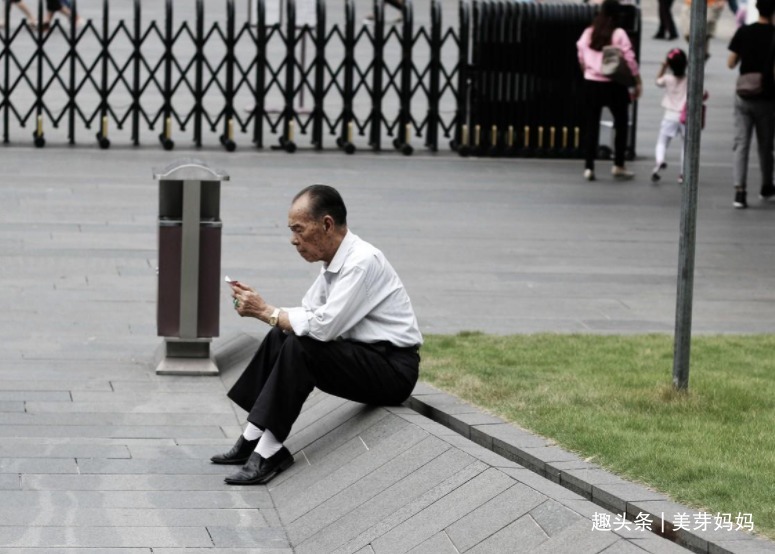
point(358, 296)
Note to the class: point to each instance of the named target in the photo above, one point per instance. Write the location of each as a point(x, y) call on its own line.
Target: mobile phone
point(230, 280)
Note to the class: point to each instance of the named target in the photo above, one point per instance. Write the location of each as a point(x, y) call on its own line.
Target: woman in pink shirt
point(601, 92)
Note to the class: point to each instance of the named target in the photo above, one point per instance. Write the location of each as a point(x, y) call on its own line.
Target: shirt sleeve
point(734, 44)
point(348, 303)
point(621, 40)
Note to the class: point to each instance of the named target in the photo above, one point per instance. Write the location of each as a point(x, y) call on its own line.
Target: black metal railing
point(358, 85)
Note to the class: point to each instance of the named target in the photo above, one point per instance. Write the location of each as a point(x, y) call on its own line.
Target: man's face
point(307, 234)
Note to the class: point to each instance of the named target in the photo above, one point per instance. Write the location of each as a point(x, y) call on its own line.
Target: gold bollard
point(576, 133)
point(510, 136)
point(104, 130)
point(527, 136)
point(540, 136)
point(168, 128)
point(494, 135)
point(551, 137)
point(464, 136)
point(408, 133)
point(350, 132)
point(39, 130)
point(291, 130)
point(565, 137)
point(230, 129)
point(477, 134)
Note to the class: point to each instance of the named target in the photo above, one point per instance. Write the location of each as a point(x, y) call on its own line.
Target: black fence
point(269, 78)
point(526, 94)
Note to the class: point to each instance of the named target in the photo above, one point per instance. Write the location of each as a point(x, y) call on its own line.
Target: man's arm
point(348, 302)
point(249, 303)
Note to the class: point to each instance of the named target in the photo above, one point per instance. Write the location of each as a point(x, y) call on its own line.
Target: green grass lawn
point(610, 399)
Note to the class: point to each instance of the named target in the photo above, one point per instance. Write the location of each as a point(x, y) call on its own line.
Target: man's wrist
point(274, 317)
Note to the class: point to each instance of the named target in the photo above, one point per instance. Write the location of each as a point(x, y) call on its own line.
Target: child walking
point(674, 83)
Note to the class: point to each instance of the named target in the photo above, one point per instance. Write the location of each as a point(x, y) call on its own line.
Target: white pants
point(668, 130)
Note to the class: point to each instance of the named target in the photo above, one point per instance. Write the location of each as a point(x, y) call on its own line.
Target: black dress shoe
point(239, 453)
point(260, 470)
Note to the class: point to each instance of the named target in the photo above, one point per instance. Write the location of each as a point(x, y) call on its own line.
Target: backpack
point(615, 67)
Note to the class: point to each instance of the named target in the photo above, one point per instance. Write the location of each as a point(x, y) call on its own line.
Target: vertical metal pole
point(189, 259)
point(137, 41)
point(167, 93)
point(320, 67)
point(349, 66)
point(198, 73)
point(261, 40)
point(375, 136)
point(104, 104)
point(432, 133)
point(289, 113)
point(71, 92)
point(683, 316)
point(405, 98)
point(462, 109)
point(7, 68)
point(39, 80)
point(228, 114)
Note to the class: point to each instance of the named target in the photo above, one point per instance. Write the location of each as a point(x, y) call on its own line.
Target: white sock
point(251, 432)
point(268, 445)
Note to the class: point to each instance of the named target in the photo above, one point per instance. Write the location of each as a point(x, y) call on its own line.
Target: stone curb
point(669, 519)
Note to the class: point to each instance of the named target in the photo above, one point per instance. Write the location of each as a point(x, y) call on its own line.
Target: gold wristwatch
point(274, 317)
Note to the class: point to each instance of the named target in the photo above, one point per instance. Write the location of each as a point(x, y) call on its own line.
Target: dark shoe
point(239, 453)
point(259, 470)
point(767, 192)
point(655, 176)
point(658, 37)
point(740, 202)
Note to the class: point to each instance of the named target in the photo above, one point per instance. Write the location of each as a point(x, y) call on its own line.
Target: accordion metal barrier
point(502, 80)
point(525, 94)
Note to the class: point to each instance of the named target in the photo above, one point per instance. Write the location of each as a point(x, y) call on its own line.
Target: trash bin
point(189, 268)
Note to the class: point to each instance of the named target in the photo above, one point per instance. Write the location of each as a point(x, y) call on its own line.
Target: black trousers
point(666, 23)
point(286, 368)
point(616, 97)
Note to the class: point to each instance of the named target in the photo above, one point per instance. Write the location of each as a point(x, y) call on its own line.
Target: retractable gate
point(525, 85)
point(502, 80)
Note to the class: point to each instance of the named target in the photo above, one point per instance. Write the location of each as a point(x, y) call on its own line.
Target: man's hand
point(248, 302)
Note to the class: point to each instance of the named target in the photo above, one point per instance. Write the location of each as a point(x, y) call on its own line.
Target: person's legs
point(246, 389)
point(682, 133)
point(355, 371)
point(763, 122)
point(593, 103)
point(31, 19)
point(663, 141)
point(670, 29)
point(618, 105)
point(661, 29)
point(286, 369)
point(741, 145)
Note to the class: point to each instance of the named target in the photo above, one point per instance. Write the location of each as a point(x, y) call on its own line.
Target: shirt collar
point(341, 253)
